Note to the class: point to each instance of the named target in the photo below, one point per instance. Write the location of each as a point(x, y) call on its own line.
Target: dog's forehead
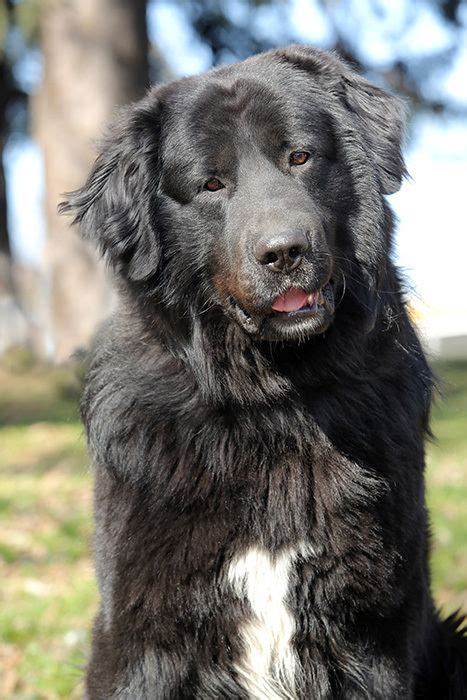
point(266, 101)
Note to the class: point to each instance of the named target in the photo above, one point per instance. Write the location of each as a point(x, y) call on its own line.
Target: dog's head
point(254, 191)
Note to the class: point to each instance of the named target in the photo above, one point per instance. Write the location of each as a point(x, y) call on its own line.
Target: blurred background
point(65, 65)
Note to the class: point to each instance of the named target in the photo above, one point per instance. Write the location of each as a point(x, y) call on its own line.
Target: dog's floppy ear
point(116, 207)
point(382, 120)
point(379, 115)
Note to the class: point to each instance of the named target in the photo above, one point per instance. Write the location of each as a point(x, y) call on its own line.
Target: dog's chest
point(267, 666)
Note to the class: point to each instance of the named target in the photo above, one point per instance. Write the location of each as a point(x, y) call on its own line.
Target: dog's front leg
point(126, 669)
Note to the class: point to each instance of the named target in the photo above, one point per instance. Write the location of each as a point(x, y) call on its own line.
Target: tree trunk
point(95, 56)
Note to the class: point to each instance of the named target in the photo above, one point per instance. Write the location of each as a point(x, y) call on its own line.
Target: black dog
point(256, 410)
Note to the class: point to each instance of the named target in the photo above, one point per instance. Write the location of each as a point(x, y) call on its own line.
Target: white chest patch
point(268, 668)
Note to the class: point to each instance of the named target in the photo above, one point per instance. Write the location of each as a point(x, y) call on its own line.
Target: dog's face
point(255, 187)
point(250, 191)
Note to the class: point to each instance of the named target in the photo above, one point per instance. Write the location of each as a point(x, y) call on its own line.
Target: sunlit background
point(64, 68)
point(417, 49)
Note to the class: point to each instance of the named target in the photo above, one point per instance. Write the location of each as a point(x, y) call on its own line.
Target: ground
point(48, 595)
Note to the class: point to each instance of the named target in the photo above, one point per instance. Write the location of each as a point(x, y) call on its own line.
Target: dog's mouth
point(296, 302)
point(295, 312)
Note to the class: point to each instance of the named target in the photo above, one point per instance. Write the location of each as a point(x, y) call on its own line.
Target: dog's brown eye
point(213, 185)
point(298, 157)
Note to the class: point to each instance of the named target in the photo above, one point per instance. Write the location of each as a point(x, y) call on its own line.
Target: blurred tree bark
point(95, 56)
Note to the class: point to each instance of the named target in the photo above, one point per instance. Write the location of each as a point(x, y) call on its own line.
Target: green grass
point(447, 489)
point(47, 592)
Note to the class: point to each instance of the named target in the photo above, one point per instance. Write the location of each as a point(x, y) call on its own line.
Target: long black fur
point(208, 436)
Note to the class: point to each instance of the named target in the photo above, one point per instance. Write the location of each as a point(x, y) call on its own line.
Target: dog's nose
point(283, 252)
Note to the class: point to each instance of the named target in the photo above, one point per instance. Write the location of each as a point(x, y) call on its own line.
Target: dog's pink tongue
point(292, 300)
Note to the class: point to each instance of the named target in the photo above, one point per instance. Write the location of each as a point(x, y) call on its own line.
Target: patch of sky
point(25, 184)
point(309, 23)
point(430, 244)
point(27, 69)
point(176, 40)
